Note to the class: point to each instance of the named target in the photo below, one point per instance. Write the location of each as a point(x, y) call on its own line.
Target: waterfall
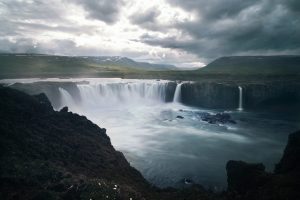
point(240, 108)
point(103, 94)
point(177, 94)
point(66, 98)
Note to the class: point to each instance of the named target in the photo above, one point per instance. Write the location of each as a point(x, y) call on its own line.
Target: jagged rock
point(43, 99)
point(290, 160)
point(61, 155)
point(64, 109)
point(179, 117)
point(242, 176)
point(220, 118)
point(249, 181)
point(39, 145)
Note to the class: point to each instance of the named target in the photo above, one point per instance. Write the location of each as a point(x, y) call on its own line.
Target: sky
point(186, 33)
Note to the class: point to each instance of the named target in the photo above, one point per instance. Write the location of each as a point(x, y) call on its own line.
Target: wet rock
point(242, 176)
point(64, 109)
point(219, 118)
point(179, 117)
point(170, 90)
point(188, 181)
point(290, 160)
point(250, 181)
point(43, 99)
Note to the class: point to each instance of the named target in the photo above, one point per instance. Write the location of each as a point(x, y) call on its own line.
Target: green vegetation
point(226, 68)
point(256, 65)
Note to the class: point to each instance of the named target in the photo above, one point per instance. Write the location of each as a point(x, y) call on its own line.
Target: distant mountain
point(99, 61)
point(250, 65)
point(127, 62)
point(40, 65)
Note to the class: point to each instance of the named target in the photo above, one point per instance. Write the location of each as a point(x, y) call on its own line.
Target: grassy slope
point(256, 65)
point(226, 68)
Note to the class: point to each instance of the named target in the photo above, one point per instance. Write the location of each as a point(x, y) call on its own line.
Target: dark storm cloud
point(236, 27)
point(293, 5)
point(146, 19)
point(103, 10)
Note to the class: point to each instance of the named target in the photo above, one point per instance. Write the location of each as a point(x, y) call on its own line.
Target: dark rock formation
point(51, 89)
point(250, 181)
point(210, 95)
point(219, 118)
point(275, 95)
point(278, 95)
point(243, 177)
point(290, 161)
point(46, 154)
point(170, 90)
point(58, 155)
point(64, 109)
point(179, 117)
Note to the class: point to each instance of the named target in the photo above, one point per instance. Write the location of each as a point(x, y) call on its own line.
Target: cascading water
point(240, 108)
point(164, 147)
point(177, 94)
point(66, 98)
point(105, 94)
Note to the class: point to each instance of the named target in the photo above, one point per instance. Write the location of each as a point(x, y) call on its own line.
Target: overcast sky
point(186, 33)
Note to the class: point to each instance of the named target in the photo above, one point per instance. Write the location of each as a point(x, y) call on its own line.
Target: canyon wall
point(254, 96)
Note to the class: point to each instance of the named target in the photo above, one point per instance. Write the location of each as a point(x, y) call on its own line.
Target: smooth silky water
point(165, 149)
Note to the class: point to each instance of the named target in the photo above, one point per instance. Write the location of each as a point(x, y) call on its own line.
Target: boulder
point(64, 109)
point(219, 118)
point(290, 160)
point(243, 177)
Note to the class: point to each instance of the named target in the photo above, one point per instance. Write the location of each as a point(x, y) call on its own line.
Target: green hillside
point(225, 68)
point(33, 65)
point(254, 65)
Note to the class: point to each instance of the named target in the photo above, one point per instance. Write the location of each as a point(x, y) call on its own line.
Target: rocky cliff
point(47, 154)
point(250, 181)
point(274, 94)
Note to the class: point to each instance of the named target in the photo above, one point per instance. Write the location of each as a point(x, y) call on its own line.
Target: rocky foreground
point(45, 154)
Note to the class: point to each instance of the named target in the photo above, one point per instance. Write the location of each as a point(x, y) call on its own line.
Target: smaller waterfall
point(66, 98)
point(177, 94)
point(240, 108)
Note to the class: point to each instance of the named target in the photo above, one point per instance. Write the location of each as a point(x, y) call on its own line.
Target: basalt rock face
point(290, 162)
point(58, 155)
point(274, 95)
point(210, 95)
point(170, 90)
point(277, 95)
point(243, 177)
point(51, 89)
point(250, 181)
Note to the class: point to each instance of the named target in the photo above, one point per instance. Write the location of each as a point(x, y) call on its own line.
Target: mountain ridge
point(101, 61)
point(281, 64)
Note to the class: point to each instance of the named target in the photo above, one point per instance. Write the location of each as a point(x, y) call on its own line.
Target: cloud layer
point(181, 32)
